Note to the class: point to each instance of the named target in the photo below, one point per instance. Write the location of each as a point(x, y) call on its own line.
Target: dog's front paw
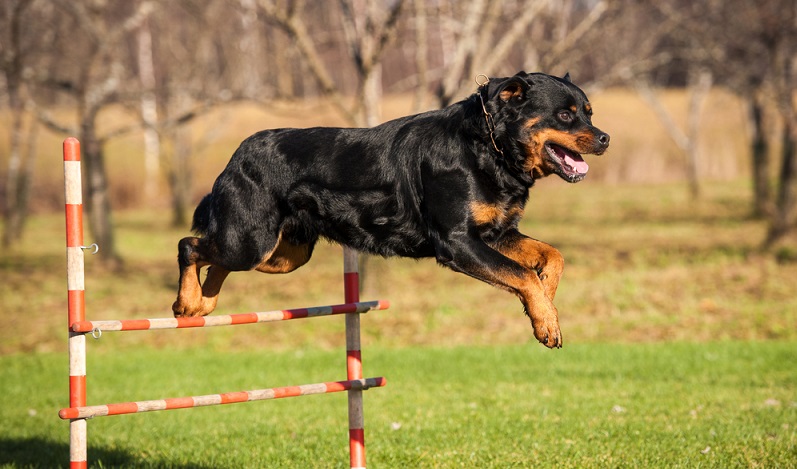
point(545, 322)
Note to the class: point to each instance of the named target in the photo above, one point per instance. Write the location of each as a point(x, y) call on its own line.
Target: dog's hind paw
point(181, 310)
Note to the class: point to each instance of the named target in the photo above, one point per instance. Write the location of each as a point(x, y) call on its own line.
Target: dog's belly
point(376, 220)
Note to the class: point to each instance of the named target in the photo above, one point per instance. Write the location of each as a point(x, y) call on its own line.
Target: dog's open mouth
point(569, 165)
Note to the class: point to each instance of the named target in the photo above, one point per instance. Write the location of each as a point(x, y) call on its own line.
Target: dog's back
point(358, 187)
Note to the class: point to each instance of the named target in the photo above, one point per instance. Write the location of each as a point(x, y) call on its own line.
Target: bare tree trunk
point(366, 35)
point(687, 141)
point(149, 113)
point(372, 97)
point(485, 41)
point(17, 183)
point(18, 188)
point(465, 47)
point(295, 28)
point(698, 92)
point(27, 176)
point(103, 75)
point(282, 55)
point(783, 216)
point(421, 55)
point(97, 201)
point(14, 183)
point(180, 177)
point(760, 157)
point(250, 45)
point(784, 65)
point(180, 170)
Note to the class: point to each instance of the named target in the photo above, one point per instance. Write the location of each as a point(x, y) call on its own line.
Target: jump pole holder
point(78, 411)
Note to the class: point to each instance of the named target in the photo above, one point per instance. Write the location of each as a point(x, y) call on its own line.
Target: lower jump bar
point(217, 399)
point(229, 319)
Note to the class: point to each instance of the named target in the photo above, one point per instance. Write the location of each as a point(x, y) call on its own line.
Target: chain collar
point(487, 116)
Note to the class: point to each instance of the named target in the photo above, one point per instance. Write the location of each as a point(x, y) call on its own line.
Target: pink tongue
point(577, 163)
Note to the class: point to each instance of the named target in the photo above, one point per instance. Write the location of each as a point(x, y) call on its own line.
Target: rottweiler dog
point(449, 184)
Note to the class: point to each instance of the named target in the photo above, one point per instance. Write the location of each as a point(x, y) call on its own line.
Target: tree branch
point(296, 29)
point(49, 121)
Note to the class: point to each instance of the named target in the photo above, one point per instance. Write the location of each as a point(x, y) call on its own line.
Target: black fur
point(403, 188)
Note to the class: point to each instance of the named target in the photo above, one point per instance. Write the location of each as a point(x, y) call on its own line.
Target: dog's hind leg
point(195, 298)
point(286, 257)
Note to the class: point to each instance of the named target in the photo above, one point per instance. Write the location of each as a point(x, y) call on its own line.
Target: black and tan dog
point(450, 184)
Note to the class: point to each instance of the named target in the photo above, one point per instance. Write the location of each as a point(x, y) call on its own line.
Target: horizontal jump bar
point(229, 319)
point(217, 399)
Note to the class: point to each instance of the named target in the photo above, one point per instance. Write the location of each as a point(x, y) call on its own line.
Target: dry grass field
point(645, 262)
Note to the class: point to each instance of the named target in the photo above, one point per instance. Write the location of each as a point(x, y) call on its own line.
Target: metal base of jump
point(79, 327)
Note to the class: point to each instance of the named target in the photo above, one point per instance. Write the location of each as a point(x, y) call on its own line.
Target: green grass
point(680, 349)
point(719, 404)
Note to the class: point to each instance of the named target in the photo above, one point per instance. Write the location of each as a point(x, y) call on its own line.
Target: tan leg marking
point(537, 256)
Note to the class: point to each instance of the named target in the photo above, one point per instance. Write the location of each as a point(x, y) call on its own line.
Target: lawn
point(680, 335)
point(680, 350)
point(719, 404)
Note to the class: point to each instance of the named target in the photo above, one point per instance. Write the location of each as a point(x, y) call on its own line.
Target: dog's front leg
point(546, 262)
point(470, 255)
point(535, 255)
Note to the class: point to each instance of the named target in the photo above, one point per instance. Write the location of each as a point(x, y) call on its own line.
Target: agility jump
point(78, 410)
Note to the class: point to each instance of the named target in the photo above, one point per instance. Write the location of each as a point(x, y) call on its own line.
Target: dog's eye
point(565, 116)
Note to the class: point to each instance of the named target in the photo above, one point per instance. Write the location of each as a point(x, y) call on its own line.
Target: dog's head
point(542, 124)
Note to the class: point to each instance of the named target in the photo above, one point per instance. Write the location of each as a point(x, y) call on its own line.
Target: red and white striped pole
point(354, 366)
point(97, 327)
point(218, 399)
point(73, 193)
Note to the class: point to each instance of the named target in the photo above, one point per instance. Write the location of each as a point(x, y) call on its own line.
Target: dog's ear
point(513, 88)
point(567, 77)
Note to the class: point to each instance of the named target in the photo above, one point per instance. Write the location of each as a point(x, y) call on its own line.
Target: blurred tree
point(782, 20)
point(420, 14)
point(752, 46)
point(735, 41)
point(368, 31)
point(656, 49)
point(368, 28)
point(95, 78)
point(193, 73)
point(173, 61)
point(479, 38)
point(699, 85)
point(15, 47)
point(149, 111)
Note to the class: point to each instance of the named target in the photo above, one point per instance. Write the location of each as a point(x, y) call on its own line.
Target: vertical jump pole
point(73, 195)
point(354, 367)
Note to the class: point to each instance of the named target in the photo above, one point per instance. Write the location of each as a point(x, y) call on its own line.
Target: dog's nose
point(604, 138)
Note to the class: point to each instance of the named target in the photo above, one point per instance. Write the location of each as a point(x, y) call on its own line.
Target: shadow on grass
point(42, 453)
